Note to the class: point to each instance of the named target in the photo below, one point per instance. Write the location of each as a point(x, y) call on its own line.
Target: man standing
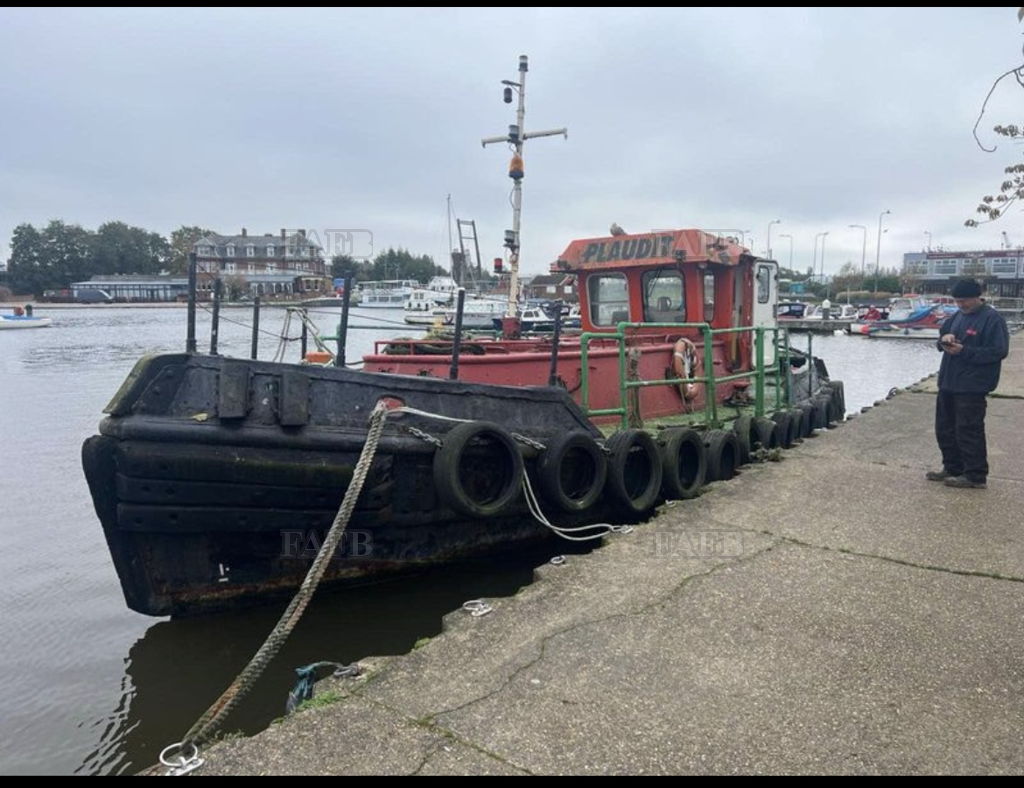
point(974, 343)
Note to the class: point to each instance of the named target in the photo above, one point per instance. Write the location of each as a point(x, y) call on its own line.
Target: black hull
point(215, 479)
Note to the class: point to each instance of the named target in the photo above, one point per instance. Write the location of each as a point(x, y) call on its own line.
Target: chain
point(528, 441)
point(418, 433)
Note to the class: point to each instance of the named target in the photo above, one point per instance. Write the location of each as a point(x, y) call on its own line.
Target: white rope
point(535, 510)
point(417, 412)
point(531, 498)
point(283, 338)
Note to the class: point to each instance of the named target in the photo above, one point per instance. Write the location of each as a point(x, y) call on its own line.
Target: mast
point(456, 278)
point(517, 135)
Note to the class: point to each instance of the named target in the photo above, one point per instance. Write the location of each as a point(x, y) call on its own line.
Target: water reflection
point(179, 667)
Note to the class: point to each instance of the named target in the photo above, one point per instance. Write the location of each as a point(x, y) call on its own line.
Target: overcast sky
point(366, 119)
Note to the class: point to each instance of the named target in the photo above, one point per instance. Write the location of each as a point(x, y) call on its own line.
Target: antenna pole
point(516, 137)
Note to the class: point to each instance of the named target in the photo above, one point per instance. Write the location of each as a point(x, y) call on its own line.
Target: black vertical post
point(255, 327)
point(339, 358)
point(190, 338)
point(302, 340)
point(553, 377)
point(215, 323)
point(453, 373)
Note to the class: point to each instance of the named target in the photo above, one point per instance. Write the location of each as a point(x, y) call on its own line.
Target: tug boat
point(215, 478)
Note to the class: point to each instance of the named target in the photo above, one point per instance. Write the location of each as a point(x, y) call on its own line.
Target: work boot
point(963, 481)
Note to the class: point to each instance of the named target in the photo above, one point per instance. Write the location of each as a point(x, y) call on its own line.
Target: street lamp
point(929, 240)
point(823, 259)
point(790, 237)
point(773, 221)
point(814, 260)
point(878, 249)
point(863, 249)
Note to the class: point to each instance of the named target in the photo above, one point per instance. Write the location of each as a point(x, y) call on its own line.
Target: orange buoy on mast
point(515, 167)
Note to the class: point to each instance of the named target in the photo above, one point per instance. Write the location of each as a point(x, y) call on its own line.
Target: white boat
point(24, 321)
point(386, 293)
point(423, 306)
point(478, 312)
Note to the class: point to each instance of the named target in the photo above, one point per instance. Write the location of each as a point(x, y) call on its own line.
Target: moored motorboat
point(24, 321)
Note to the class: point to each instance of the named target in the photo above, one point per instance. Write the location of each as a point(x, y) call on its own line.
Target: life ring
point(478, 470)
point(686, 363)
point(572, 470)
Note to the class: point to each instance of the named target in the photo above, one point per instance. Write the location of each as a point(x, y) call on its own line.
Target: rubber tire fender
point(634, 471)
point(783, 428)
point(464, 475)
point(796, 417)
point(839, 397)
point(766, 434)
point(684, 463)
point(571, 471)
point(822, 410)
point(723, 454)
point(806, 409)
point(743, 428)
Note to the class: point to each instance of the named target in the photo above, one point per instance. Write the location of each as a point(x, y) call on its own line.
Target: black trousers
point(960, 431)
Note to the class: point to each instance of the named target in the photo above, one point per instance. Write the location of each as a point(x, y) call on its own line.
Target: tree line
point(54, 256)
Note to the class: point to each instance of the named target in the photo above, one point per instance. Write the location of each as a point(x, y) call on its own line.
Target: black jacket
point(975, 369)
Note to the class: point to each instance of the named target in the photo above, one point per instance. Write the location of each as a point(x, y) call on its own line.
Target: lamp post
point(929, 247)
point(773, 221)
point(814, 261)
point(790, 237)
point(863, 249)
point(823, 259)
point(878, 248)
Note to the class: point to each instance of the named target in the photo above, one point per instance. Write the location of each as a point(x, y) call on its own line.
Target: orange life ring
point(686, 363)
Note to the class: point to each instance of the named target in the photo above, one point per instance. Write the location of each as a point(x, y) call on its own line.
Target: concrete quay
point(831, 613)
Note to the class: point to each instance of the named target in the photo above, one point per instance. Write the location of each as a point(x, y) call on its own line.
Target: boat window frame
point(653, 293)
point(763, 277)
point(595, 303)
point(709, 306)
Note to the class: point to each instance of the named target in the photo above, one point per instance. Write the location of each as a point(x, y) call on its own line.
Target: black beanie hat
point(966, 288)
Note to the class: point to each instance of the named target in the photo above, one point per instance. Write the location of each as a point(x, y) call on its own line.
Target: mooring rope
point(209, 721)
point(534, 505)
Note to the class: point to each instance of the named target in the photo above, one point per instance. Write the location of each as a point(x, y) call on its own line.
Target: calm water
point(91, 687)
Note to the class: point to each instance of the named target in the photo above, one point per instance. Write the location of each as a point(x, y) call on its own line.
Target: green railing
point(709, 380)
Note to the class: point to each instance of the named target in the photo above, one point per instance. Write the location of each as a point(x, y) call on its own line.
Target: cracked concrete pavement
point(831, 613)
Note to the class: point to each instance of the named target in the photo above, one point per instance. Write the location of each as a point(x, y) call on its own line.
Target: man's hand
point(950, 345)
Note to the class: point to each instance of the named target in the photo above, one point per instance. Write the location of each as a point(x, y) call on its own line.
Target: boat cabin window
point(764, 283)
point(609, 299)
point(664, 300)
point(709, 297)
